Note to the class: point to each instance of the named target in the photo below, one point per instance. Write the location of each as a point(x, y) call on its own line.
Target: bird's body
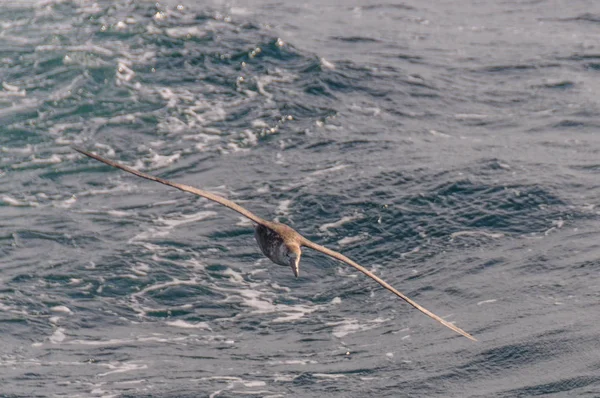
point(279, 242)
point(271, 244)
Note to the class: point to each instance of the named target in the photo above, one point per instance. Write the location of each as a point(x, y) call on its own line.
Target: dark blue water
point(450, 147)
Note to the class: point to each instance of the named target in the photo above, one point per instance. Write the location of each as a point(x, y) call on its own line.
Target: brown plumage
point(279, 242)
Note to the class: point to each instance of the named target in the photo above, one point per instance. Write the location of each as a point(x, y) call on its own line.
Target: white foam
point(159, 15)
point(277, 76)
point(14, 202)
point(340, 222)
point(294, 362)
point(10, 87)
point(27, 149)
point(158, 286)
point(112, 213)
point(258, 123)
point(329, 170)
point(350, 239)
point(119, 213)
point(186, 32)
point(120, 25)
point(186, 218)
point(61, 308)
point(284, 378)
point(233, 147)
point(254, 383)
point(168, 225)
point(58, 336)
point(150, 233)
point(557, 224)
point(122, 187)
point(24, 105)
point(244, 222)
point(202, 112)
point(141, 269)
point(12, 91)
point(475, 233)
point(51, 160)
point(470, 116)
point(365, 110)
point(195, 264)
point(86, 48)
point(99, 343)
point(487, 301)
point(329, 375)
point(124, 73)
point(102, 393)
point(165, 202)
point(121, 367)
point(412, 251)
point(234, 382)
point(283, 288)
point(349, 326)
point(293, 316)
point(251, 298)
point(142, 310)
point(54, 159)
point(180, 323)
point(158, 161)
point(283, 207)
point(262, 305)
point(236, 276)
point(67, 91)
point(110, 152)
point(159, 339)
point(251, 138)
point(240, 11)
point(261, 82)
point(67, 203)
point(326, 64)
point(438, 134)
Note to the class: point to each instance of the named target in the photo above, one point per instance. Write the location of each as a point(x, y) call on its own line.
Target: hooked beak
point(295, 264)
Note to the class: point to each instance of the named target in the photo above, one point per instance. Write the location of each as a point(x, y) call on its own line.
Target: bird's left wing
point(341, 257)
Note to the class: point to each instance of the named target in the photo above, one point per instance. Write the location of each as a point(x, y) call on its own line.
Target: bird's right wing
point(341, 257)
point(182, 187)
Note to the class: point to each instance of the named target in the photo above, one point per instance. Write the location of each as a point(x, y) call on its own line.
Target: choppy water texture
point(451, 147)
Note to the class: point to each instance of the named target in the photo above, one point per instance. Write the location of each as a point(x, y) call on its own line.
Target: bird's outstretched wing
point(182, 187)
point(341, 257)
point(297, 237)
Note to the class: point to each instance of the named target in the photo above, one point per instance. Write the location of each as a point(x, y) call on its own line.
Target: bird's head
point(292, 255)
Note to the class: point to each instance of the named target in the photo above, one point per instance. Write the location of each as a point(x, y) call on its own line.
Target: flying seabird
point(279, 242)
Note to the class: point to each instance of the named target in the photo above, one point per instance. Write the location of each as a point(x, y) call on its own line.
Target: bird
point(278, 242)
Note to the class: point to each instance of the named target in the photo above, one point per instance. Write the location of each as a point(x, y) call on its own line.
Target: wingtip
point(471, 337)
point(460, 331)
point(80, 150)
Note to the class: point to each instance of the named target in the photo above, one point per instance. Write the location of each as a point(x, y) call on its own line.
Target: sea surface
point(451, 147)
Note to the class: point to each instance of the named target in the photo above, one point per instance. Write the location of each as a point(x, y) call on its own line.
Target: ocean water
point(451, 147)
